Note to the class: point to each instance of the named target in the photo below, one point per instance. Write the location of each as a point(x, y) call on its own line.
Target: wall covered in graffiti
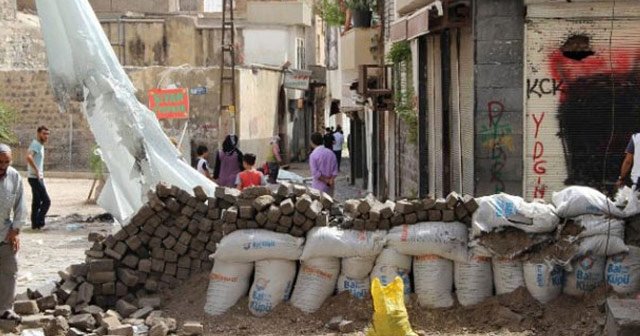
point(582, 99)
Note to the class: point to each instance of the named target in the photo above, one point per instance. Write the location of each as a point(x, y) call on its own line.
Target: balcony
point(404, 7)
point(356, 47)
point(290, 13)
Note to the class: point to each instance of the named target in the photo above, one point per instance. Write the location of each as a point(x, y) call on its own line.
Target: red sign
point(169, 103)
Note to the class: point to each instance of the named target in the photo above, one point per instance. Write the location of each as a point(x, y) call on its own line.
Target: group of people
point(12, 199)
point(235, 169)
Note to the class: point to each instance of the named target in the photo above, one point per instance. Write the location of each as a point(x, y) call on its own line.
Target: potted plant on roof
point(361, 12)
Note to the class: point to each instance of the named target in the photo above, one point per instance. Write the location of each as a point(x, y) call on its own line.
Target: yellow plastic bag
point(390, 316)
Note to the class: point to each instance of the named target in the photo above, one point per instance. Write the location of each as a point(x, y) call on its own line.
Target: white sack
point(228, 283)
point(544, 282)
point(448, 240)
point(575, 201)
point(390, 264)
point(473, 280)
point(433, 278)
point(602, 245)
point(316, 282)
point(594, 225)
point(623, 271)
point(357, 267)
point(255, 245)
point(587, 275)
point(504, 210)
point(507, 275)
point(335, 242)
point(272, 284)
point(359, 288)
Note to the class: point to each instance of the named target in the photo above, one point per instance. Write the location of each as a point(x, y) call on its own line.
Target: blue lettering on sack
point(557, 276)
point(619, 279)
point(505, 208)
point(260, 301)
point(257, 245)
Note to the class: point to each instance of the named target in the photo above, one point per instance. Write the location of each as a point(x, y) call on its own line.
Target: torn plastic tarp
point(135, 149)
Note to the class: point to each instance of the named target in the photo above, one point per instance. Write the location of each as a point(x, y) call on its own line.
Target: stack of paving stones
point(371, 214)
point(292, 209)
point(116, 291)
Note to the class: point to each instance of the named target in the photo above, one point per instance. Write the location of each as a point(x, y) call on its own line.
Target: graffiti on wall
point(539, 163)
point(582, 107)
point(497, 138)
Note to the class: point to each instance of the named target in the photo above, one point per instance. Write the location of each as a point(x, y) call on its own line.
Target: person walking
point(274, 159)
point(338, 137)
point(35, 163)
point(12, 199)
point(250, 177)
point(228, 162)
point(323, 165)
point(203, 165)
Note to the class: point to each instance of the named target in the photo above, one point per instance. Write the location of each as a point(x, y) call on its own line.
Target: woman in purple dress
point(228, 162)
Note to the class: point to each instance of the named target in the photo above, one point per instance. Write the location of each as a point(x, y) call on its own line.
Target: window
point(213, 6)
point(300, 54)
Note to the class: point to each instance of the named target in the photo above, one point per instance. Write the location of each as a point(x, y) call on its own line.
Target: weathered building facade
point(523, 97)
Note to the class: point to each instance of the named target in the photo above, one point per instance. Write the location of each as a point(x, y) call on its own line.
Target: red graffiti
point(569, 70)
point(495, 109)
point(539, 164)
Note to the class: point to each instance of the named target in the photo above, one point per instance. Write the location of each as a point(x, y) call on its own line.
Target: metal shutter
point(570, 117)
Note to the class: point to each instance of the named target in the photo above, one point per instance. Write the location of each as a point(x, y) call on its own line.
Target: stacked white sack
point(354, 276)
point(255, 245)
point(338, 243)
point(601, 236)
point(543, 281)
point(447, 240)
point(228, 283)
point(587, 275)
point(623, 271)
point(503, 210)
point(233, 265)
point(507, 275)
point(389, 264)
point(473, 280)
point(433, 278)
point(272, 284)
point(315, 283)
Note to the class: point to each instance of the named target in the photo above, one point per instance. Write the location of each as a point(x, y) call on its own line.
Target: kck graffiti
point(497, 137)
point(539, 163)
point(544, 86)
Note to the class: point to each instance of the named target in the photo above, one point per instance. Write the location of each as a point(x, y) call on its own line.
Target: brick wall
point(28, 93)
point(407, 163)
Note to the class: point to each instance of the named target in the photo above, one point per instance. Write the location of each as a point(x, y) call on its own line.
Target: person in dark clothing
point(228, 162)
point(328, 141)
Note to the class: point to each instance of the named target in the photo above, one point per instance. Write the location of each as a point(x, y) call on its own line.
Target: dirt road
point(64, 239)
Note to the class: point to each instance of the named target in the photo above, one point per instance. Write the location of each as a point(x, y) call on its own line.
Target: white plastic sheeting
point(135, 149)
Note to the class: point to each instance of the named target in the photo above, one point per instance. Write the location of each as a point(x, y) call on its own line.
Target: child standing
point(203, 165)
point(250, 176)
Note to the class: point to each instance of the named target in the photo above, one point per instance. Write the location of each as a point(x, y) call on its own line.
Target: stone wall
point(499, 33)
point(29, 94)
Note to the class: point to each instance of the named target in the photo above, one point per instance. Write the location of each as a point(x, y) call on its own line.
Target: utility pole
point(227, 81)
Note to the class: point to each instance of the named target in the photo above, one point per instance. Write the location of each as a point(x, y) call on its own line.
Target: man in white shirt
point(338, 136)
point(11, 200)
point(41, 202)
